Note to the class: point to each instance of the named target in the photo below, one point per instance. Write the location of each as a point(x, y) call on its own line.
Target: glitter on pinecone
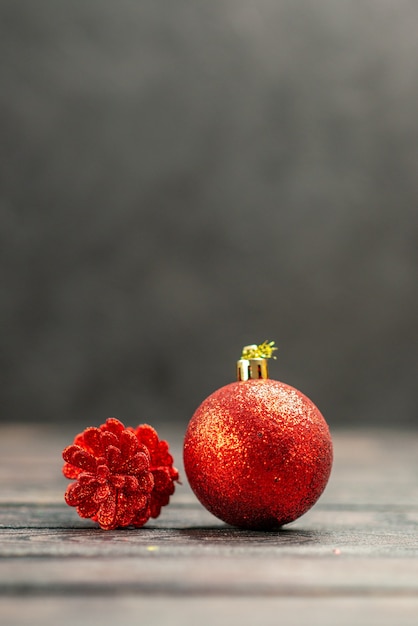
point(123, 476)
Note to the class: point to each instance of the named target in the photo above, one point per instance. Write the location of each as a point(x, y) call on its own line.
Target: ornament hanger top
point(253, 363)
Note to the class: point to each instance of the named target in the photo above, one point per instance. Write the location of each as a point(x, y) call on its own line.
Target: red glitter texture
point(123, 476)
point(258, 454)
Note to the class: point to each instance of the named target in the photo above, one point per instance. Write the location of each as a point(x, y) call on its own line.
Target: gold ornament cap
point(253, 363)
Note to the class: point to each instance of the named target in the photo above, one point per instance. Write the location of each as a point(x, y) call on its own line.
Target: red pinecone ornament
point(123, 476)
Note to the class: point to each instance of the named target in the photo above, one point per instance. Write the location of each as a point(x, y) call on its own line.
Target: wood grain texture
point(352, 559)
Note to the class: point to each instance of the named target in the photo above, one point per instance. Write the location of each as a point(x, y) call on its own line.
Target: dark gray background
point(181, 178)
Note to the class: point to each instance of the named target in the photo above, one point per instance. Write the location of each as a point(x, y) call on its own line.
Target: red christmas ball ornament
point(257, 452)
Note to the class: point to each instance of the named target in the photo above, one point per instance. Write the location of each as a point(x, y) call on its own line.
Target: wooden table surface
point(351, 560)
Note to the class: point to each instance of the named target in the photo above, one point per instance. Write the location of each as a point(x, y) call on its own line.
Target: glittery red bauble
point(257, 454)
